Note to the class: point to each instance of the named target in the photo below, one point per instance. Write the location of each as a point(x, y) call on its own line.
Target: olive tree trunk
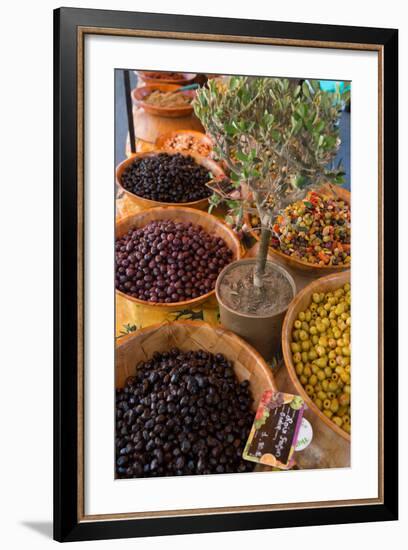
point(261, 257)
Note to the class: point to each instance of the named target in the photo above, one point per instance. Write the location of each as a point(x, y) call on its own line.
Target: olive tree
point(277, 137)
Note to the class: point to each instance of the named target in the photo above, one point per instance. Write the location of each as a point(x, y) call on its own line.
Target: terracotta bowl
point(143, 203)
point(302, 265)
point(198, 136)
point(193, 335)
point(211, 224)
point(186, 78)
point(140, 94)
point(300, 303)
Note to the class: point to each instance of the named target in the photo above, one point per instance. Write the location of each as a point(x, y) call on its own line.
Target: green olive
point(334, 406)
point(325, 384)
point(295, 347)
point(316, 298)
point(344, 399)
point(328, 371)
point(321, 350)
point(333, 386)
point(307, 371)
point(318, 403)
point(321, 362)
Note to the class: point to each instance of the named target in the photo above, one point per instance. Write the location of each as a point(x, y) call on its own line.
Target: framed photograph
point(225, 274)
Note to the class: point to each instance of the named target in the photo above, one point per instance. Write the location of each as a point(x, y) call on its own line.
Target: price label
point(275, 430)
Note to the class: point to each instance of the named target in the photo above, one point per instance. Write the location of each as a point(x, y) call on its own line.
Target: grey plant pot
point(262, 332)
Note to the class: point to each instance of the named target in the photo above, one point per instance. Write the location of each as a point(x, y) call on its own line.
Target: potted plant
point(277, 137)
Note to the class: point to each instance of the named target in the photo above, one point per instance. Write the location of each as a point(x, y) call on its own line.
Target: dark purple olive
point(170, 275)
point(196, 422)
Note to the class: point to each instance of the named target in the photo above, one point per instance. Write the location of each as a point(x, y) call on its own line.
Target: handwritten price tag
point(275, 430)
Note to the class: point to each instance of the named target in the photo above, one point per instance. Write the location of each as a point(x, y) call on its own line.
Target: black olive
point(197, 424)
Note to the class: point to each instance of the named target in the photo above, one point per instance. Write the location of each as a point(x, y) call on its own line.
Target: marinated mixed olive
point(316, 230)
point(321, 353)
point(183, 413)
point(168, 262)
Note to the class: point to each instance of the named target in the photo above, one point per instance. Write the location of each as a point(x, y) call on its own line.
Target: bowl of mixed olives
point(312, 235)
point(316, 347)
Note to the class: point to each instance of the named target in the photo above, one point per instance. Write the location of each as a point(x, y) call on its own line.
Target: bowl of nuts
point(185, 141)
point(164, 100)
point(170, 257)
point(316, 350)
point(170, 381)
point(161, 178)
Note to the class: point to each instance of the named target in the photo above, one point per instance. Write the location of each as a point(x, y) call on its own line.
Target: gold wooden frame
point(81, 33)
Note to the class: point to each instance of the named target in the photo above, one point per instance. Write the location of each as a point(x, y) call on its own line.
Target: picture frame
point(71, 26)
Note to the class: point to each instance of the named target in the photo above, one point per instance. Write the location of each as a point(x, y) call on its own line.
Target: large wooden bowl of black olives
point(160, 178)
point(186, 396)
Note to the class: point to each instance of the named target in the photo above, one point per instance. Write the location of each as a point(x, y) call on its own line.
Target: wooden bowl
point(211, 224)
point(198, 136)
point(143, 203)
point(140, 94)
point(300, 303)
point(186, 78)
point(302, 265)
point(193, 335)
point(149, 127)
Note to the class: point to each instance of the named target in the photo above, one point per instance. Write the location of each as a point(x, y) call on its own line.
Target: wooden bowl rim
point(291, 260)
point(260, 361)
point(198, 158)
point(287, 354)
point(187, 77)
point(157, 109)
point(194, 301)
point(231, 265)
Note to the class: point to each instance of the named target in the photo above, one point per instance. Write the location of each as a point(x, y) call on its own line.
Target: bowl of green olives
point(316, 349)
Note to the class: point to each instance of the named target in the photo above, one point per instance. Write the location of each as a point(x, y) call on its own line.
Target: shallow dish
point(140, 94)
point(186, 78)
